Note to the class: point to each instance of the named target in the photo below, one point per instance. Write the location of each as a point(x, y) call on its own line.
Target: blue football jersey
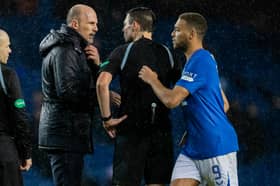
point(210, 133)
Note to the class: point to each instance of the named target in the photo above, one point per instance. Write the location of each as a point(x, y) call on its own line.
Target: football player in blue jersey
point(209, 155)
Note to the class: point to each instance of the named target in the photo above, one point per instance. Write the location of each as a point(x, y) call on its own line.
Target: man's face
point(5, 49)
point(128, 33)
point(88, 25)
point(180, 35)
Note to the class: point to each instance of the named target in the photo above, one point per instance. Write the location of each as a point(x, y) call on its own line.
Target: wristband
point(106, 118)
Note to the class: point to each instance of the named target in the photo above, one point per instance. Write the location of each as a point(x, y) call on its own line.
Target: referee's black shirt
point(137, 96)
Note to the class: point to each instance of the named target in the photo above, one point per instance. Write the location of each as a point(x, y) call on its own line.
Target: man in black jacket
point(15, 138)
point(69, 69)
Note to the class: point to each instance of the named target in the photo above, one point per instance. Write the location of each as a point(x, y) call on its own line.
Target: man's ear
point(192, 34)
point(74, 24)
point(136, 26)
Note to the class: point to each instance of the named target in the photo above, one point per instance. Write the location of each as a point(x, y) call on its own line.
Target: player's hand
point(92, 54)
point(147, 75)
point(26, 165)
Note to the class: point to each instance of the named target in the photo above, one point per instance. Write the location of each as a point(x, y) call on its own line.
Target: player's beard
point(183, 46)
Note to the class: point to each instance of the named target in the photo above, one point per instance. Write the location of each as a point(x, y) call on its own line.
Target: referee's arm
point(103, 96)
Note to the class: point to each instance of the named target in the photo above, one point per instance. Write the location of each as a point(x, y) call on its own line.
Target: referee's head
point(138, 23)
point(144, 16)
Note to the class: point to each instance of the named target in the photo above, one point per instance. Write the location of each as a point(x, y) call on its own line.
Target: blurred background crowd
point(243, 36)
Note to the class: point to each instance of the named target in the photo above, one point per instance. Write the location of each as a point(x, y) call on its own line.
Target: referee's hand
point(109, 125)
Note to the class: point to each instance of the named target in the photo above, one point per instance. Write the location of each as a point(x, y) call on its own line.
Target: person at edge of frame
point(15, 135)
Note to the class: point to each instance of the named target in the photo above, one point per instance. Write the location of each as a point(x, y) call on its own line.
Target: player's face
point(180, 35)
point(5, 49)
point(88, 25)
point(128, 33)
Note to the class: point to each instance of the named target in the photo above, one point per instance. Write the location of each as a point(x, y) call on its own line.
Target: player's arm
point(169, 97)
point(226, 103)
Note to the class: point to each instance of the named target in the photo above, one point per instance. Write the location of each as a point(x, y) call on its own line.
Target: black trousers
point(143, 156)
point(66, 168)
point(10, 174)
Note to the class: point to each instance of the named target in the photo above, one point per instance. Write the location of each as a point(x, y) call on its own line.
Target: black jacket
point(14, 122)
point(68, 86)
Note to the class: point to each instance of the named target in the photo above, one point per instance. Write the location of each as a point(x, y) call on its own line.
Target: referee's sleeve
point(19, 117)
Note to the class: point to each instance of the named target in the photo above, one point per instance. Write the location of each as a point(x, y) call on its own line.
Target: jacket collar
point(78, 41)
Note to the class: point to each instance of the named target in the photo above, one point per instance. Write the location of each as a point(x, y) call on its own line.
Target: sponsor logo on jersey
point(189, 76)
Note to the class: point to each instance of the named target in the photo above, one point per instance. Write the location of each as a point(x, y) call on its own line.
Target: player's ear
point(192, 34)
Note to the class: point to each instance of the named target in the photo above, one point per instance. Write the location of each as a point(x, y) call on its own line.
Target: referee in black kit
point(143, 140)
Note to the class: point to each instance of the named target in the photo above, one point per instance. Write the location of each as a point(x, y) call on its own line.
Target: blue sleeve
point(194, 76)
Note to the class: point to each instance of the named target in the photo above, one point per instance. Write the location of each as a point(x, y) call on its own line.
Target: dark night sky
point(258, 13)
point(261, 14)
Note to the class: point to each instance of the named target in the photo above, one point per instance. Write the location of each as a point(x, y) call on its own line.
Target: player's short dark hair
point(197, 21)
point(144, 16)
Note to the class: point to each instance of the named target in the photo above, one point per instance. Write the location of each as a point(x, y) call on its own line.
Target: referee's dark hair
point(197, 21)
point(144, 16)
